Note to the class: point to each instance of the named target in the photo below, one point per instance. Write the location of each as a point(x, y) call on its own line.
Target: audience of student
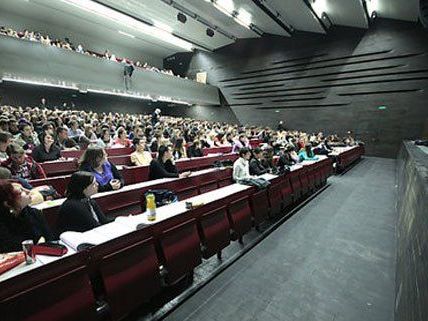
point(105, 141)
point(21, 165)
point(178, 149)
point(122, 140)
point(18, 221)
point(163, 167)
point(140, 157)
point(79, 212)
point(240, 143)
point(94, 160)
point(47, 151)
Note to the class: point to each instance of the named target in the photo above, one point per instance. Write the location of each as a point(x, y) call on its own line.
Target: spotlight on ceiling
point(326, 20)
point(181, 17)
point(210, 32)
point(374, 15)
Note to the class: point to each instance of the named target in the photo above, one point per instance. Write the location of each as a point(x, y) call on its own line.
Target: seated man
point(21, 165)
point(63, 142)
point(27, 138)
point(241, 167)
point(256, 166)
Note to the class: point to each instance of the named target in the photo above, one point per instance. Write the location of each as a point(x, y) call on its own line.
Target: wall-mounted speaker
point(181, 17)
point(210, 32)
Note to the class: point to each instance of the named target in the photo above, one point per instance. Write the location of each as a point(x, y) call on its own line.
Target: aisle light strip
point(105, 12)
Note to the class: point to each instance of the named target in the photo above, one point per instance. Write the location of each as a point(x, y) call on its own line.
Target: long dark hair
point(162, 150)
point(78, 182)
point(92, 157)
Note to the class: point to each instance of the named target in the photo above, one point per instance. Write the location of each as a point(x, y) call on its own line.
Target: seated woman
point(163, 167)
point(21, 165)
point(121, 140)
point(79, 212)
point(285, 160)
point(307, 153)
point(179, 151)
point(94, 160)
point(195, 150)
point(18, 221)
point(105, 141)
point(47, 150)
point(140, 157)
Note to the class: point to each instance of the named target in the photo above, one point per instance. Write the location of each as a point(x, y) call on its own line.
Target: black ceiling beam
point(273, 16)
point(308, 4)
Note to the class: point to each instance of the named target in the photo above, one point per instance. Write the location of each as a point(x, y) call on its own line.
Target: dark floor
point(333, 260)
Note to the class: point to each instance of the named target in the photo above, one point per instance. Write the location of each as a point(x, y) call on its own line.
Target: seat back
point(214, 231)
point(58, 291)
point(208, 186)
point(259, 206)
point(239, 213)
point(129, 271)
point(181, 250)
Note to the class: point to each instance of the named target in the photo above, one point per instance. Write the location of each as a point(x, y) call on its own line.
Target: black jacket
point(76, 215)
point(194, 151)
point(162, 170)
point(28, 225)
point(40, 155)
point(256, 167)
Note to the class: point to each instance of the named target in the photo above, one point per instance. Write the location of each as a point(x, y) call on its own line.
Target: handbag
point(162, 197)
point(260, 183)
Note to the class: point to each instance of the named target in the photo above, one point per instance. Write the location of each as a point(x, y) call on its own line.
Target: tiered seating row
point(133, 268)
point(131, 174)
point(348, 157)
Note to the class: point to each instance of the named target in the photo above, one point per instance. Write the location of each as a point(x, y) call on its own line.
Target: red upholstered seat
point(120, 160)
point(259, 206)
point(59, 291)
point(215, 231)
point(296, 185)
point(135, 174)
point(181, 250)
point(129, 270)
point(239, 213)
point(225, 182)
point(286, 192)
point(275, 198)
point(304, 180)
point(186, 193)
point(208, 186)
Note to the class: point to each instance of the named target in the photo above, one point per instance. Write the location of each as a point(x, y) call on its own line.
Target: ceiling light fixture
point(129, 22)
point(320, 7)
point(39, 83)
point(126, 34)
point(242, 16)
point(372, 7)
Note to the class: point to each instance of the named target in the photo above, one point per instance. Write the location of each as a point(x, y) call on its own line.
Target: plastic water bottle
point(151, 207)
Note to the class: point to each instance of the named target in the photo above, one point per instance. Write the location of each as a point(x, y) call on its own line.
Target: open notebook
point(79, 241)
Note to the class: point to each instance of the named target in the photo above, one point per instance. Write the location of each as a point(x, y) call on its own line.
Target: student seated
point(307, 153)
point(163, 167)
point(140, 157)
point(47, 150)
point(5, 140)
point(18, 221)
point(94, 160)
point(27, 138)
point(241, 167)
point(256, 167)
point(195, 150)
point(21, 165)
point(79, 212)
point(285, 160)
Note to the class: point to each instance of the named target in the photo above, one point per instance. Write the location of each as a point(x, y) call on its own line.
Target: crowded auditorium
point(262, 160)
